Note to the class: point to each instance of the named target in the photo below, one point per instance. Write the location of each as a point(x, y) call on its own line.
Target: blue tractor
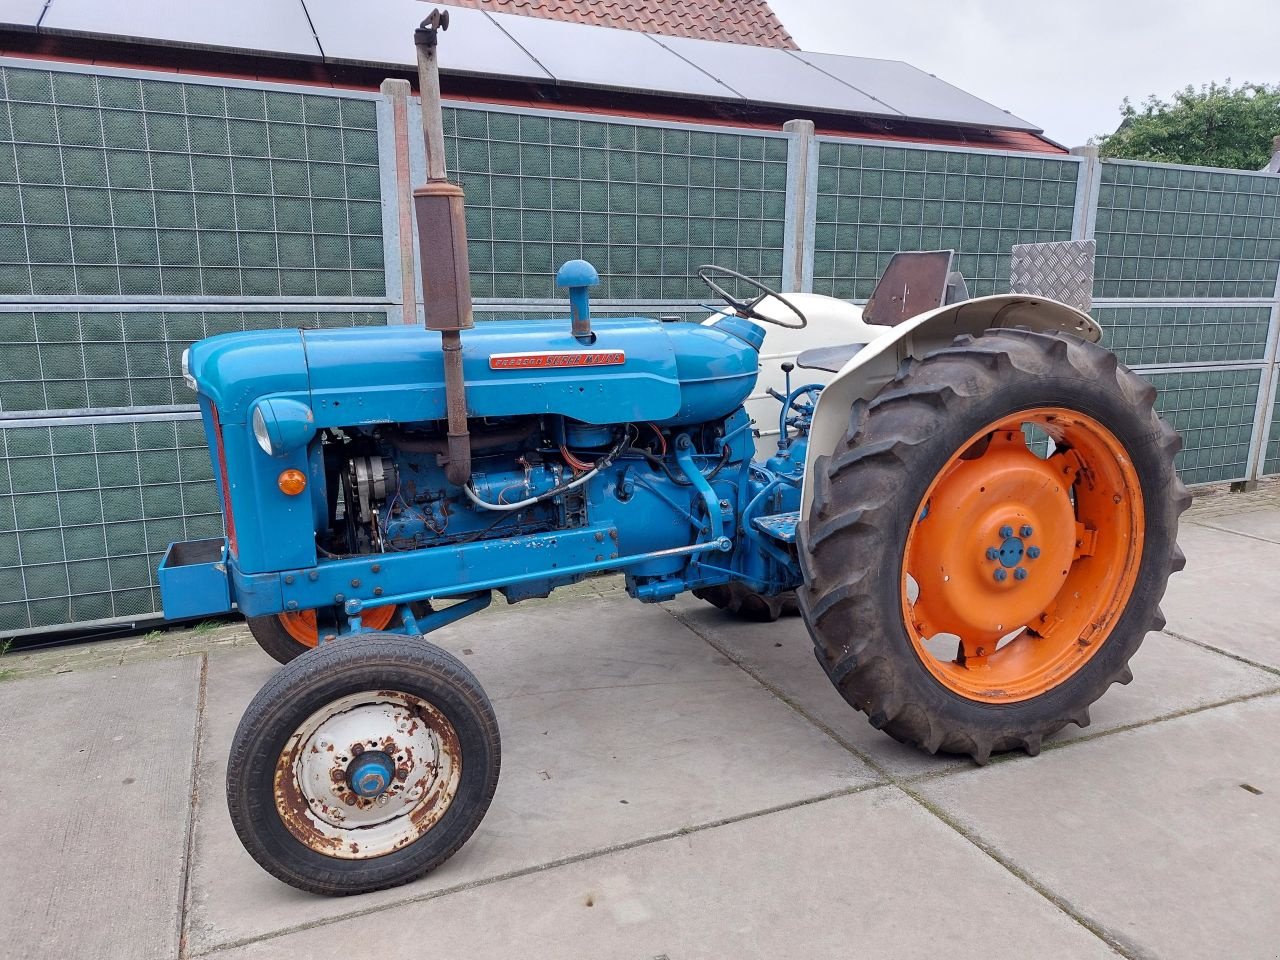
point(971, 503)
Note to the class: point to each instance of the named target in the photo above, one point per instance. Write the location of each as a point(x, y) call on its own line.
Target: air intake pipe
point(442, 239)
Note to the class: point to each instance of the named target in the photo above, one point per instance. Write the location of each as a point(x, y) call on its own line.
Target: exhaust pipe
point(442, 239)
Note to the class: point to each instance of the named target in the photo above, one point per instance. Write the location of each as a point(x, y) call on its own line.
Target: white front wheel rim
point(315, 795)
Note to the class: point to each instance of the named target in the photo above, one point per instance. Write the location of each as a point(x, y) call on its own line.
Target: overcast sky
point(1064, 65)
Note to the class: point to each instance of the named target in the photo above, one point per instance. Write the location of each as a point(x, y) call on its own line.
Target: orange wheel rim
point(1017, 567)
point(302, 624)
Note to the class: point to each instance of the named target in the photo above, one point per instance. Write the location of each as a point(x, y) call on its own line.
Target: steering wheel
point(747, 309)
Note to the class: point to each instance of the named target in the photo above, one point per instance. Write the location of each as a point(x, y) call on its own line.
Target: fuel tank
point(634, 369)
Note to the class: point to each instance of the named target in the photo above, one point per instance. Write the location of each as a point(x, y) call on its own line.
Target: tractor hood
point(636, 369)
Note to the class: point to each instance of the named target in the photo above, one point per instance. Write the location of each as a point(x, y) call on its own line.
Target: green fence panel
point(874, 201)
point(645, 204)
point(119, 186)
point(87, 507)
point(1185, 334)
point(71, 360)
point(1167, 231)
point(87, 510)
point(1214, 411)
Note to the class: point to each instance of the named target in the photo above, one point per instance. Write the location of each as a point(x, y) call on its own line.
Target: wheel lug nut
point(1020, 573)
point(1000, 575)
point(1033, 552)
point(1006, 531)
point(992, 553)
point(1026, 531)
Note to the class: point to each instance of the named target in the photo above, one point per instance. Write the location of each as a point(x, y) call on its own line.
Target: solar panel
point(249, 25)
point(585, 55)
point(21, 14)
point(915, 93)
point(473, 44)
point(770, 75)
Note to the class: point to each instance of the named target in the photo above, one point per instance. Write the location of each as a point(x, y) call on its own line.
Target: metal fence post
point(1261, 436)
point(1087, 190)
point(797, 241)
point(397, 194)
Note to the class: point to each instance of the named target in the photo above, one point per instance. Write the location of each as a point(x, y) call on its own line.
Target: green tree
point(1215, 126)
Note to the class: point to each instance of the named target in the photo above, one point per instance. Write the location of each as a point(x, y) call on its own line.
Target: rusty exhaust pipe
point(442, 240)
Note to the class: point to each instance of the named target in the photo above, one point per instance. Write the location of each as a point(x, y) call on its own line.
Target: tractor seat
point(830, 359)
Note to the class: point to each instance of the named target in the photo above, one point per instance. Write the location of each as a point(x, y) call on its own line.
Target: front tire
point(362, 765)
point(967, 594)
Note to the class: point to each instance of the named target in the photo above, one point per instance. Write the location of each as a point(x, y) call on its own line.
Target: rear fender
point(876, 363)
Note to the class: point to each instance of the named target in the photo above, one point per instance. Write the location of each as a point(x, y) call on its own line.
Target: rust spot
point(357, 749)
point(355, 847)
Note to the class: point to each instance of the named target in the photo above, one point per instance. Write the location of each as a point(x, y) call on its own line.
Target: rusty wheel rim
point(301, 624)
point(327, 788)
point(1018, 567)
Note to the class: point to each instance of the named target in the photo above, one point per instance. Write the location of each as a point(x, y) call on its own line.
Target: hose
point(601, 464)
point(659, 464)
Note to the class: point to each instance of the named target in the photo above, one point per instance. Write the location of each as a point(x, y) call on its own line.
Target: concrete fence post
point(1267, 396)
point(798, 233)
point(1089, 185)
point(396, 169)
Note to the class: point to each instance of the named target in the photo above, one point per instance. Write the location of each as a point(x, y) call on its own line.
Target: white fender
point(875, 364)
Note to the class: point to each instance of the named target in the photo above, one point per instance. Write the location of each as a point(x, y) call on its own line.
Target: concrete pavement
point(679, 784)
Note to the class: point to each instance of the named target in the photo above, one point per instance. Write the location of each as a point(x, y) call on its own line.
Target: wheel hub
point(368, 774)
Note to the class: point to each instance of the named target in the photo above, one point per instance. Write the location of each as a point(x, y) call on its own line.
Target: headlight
point(281, 425)
point(186, 369)
point(260, 431)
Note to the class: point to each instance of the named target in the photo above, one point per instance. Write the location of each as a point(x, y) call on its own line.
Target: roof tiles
point(730, 21)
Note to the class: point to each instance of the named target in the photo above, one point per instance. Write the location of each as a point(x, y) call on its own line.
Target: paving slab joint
point(1115, 941)
point(186, 892)
point(1257, 665)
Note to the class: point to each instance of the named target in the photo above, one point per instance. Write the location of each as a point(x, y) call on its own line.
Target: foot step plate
point(780, 526)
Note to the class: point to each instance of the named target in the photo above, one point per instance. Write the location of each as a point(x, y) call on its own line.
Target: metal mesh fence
point(1167, 231)
point(874, 201)
point(76, 360)
point(1185, 334)
point(1214, 411)
point(645, 204)
point(117, 186)
point(87, 509)
point(1271, 459)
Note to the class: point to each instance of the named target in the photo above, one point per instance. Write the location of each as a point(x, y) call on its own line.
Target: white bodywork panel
point(875, 365)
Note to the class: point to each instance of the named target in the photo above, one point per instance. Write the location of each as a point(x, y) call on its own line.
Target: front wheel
point(987, 547)
point(363, 765)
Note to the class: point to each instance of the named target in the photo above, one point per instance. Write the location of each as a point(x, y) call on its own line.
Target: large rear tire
point(967, 593)
point(363, 764)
